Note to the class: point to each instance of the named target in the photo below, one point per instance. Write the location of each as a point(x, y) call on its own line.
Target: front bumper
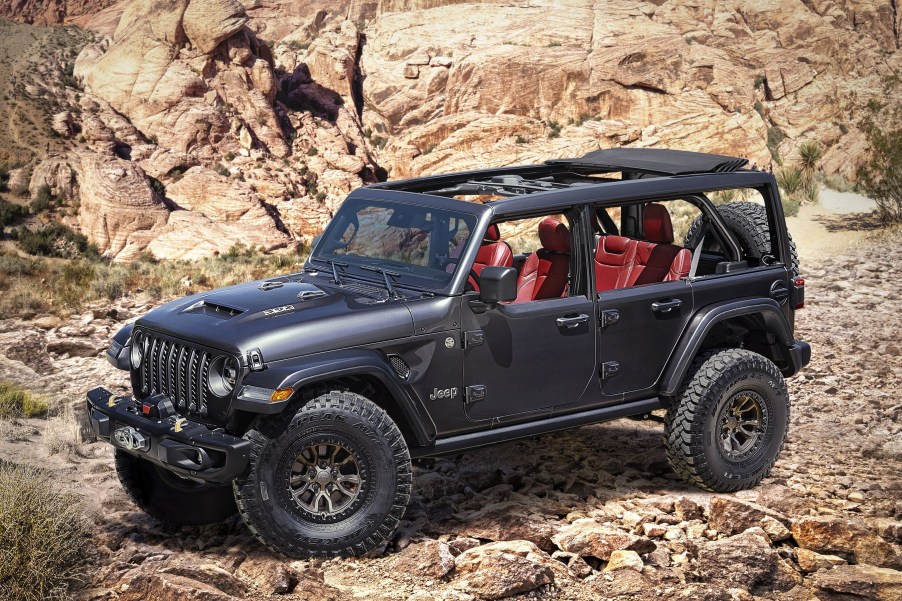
point(186, 448)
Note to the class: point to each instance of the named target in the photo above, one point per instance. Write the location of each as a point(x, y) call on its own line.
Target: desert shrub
point(222, 170)
point(43, 200)
point(10, 211)
point(881, 177)
point(4, 179)
point(554, 129)
point(520, 140)
point(56, 240)
point(789, 179)
point(810, 153)
point(43, 536)
point(18, 402)
point(790, 206)
point(723, 196)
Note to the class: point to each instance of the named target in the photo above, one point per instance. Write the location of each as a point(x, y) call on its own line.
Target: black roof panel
point(659, 161)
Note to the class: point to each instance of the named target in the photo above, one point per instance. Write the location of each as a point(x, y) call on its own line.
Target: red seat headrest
point(656, 224)
point(554, 235)
point(493, 234)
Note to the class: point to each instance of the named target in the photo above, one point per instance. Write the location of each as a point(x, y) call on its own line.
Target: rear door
point(638, 330)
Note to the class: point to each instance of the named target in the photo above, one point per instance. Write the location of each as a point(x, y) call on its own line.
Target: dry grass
point(60, 435)
point(43, 537)
point(40, 285)
point(18, 402)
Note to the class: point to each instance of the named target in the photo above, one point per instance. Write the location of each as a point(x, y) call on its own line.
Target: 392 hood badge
point(277, 310)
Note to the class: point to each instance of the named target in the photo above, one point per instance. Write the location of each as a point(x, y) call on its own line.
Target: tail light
point(799, 296)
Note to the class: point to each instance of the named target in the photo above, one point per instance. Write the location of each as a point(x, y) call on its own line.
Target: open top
point(598, 167)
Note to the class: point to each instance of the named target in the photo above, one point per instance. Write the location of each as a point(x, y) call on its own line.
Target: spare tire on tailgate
point(748, 222)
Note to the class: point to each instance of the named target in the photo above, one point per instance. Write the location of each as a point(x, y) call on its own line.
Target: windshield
point(421, 245)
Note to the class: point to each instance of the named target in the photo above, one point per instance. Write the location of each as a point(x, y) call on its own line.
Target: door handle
point(666, 306)
point(572, 322)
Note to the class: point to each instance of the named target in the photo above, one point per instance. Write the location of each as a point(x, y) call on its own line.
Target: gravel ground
point(583, 514)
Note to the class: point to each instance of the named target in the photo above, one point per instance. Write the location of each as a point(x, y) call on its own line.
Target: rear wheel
point(332, 479)
point(728, 423)
point(170, 498)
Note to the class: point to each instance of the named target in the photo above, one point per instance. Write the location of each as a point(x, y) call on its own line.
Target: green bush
point(881, 177)
point(56, 240)
point(43, 200)
point(10, 211)
point(18, 402)
point(4, 179)
point(811, 152)
point(789, 179)
point(790, 206)
point(43, 537)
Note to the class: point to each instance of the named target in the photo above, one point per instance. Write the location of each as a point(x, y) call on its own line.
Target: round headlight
point(223, 376)
point(137, 352)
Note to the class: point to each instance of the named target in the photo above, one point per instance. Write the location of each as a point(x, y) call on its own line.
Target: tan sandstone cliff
point(343, 93)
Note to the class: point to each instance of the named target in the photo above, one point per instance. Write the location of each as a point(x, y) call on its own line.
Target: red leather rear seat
point(622, 262)
point(657, 258)
point(546, 272)
point(614, 259)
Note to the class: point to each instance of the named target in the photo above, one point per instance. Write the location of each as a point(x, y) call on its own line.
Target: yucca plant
point(810, 153)
point(790, 180)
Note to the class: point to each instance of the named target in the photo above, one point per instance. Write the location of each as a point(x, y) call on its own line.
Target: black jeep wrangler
point(446, 313)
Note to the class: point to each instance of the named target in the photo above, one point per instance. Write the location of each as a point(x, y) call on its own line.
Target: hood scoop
point(207, 307)
point(309, 291)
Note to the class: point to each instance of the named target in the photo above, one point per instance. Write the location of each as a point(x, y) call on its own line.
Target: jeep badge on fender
point(576, 291)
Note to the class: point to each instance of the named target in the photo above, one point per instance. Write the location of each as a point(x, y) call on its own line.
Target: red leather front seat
point(546, 272)
point(614, 259)
point(492, 252)
point(658, 259)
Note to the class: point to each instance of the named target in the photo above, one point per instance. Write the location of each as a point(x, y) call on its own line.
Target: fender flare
point(296, 373)
point(702, 323)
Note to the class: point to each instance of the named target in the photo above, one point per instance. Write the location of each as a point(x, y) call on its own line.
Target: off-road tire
point(169, 498)
point(748, 222)
point(691, 434)
point(264, 493)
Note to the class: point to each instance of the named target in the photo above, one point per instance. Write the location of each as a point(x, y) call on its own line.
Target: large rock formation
point(189, 75)
point(706, 75)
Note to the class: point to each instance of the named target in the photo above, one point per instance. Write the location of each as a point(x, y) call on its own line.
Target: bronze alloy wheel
point(741, 425)
point(325, 480)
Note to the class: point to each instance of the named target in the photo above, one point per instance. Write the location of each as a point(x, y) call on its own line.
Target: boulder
point(428, 559)
point(589, 538)
point(747, 560)
point(58, 172)
point(831, 534)
point(507, 521)
point(809, 561)
point(117, 202)
point(861, 582)
point(624, 560)
point(729, 515)
point(505, 569)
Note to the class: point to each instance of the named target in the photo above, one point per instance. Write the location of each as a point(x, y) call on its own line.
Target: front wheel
point(728, 423)
point(332, 479)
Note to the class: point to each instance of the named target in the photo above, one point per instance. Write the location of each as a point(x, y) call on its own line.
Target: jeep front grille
point(180, 371)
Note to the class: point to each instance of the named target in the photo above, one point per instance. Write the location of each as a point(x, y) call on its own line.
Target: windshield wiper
point(333, 263)
point(385, 275)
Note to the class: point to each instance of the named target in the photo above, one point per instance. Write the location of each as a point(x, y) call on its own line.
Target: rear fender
point(703, 322)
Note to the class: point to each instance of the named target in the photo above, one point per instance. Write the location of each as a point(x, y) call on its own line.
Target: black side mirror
point(497, 284)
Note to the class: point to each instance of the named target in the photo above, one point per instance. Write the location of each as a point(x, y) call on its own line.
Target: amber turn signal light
point(281, 394)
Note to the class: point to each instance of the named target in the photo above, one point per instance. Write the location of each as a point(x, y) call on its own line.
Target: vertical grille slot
point(178, 370)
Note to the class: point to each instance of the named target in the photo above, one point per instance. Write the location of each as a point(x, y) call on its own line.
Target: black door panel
point(532, 356)
point(649, 321)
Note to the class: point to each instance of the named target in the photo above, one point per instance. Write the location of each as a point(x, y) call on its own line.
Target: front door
point(528, 356)
point(639, 328)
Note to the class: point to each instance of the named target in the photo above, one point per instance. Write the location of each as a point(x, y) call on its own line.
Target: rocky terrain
point(591, 513)
point(273, 110)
